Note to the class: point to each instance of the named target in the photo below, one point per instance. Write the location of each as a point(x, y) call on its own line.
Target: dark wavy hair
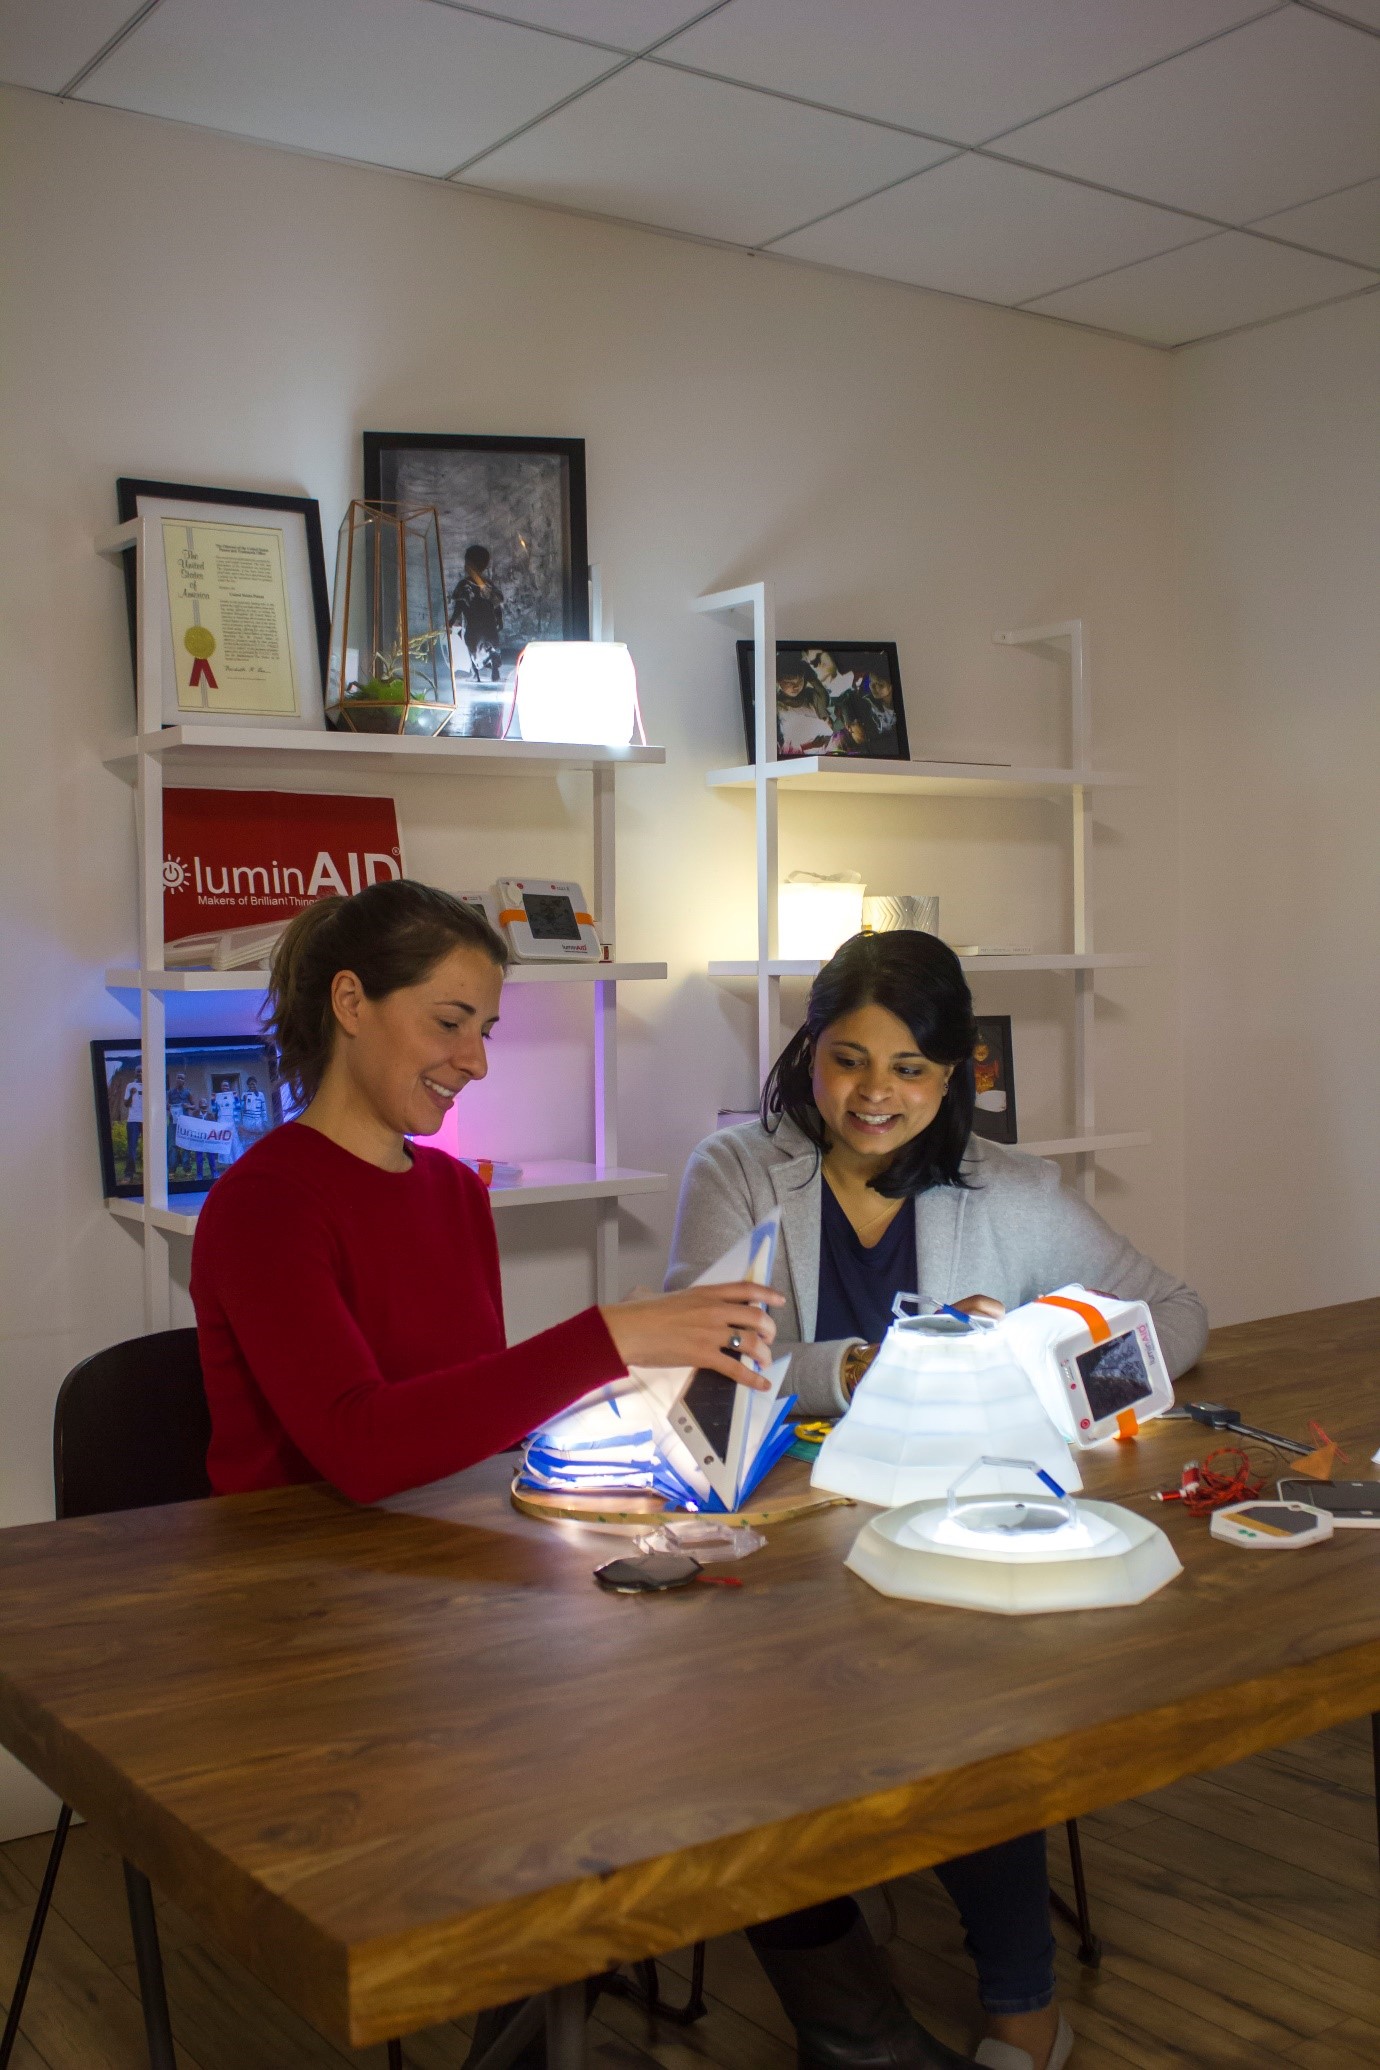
point(389, 935)
point(919, 979)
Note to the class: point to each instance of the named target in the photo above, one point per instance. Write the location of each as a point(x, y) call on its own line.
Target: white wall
point(1278, 477)
point(184, 307)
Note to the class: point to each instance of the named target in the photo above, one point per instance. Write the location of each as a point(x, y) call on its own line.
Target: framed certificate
point(241, 582)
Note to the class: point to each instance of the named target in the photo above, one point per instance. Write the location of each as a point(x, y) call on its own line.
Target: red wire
point(1220, 1484)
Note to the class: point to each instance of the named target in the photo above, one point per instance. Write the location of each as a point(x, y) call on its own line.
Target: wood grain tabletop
point(407, 1768)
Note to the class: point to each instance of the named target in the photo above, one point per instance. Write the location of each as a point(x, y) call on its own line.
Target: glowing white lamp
point(816, 915)
point(1011, 1552)
point(576, 690)
point(940, 1393)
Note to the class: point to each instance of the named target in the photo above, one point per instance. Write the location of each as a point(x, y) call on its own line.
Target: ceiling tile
point(973, 227)
point(1346, 224)
point(629, 24)
point(1365, 11)
point(1272, 115)
point(1226, 280)
point(692, 154)
point(46, 46)
point(958, 68)
point(392, 82)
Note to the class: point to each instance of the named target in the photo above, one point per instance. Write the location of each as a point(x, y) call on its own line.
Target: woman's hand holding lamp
point(724, 1329)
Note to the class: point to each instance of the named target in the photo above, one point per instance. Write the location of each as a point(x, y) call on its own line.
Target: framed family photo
point(514, 549)
point(994, 1079)
point(842, 698)
point(240, 578)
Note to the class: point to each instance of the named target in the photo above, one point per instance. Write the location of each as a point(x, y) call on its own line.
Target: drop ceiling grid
point(728, 121)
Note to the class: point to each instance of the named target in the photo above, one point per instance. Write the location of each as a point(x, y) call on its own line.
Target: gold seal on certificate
point(232, 634)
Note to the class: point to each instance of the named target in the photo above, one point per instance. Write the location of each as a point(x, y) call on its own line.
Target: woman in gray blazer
point(866, 1146)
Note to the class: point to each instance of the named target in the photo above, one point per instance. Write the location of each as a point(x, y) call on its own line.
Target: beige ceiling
point(1164, 169)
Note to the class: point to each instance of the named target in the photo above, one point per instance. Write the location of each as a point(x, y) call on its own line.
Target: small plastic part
point(1127, 1426)
point(706, 1540)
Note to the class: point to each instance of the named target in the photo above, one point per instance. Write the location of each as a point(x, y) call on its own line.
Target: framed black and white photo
point(223, 1096)
point(994, 1080)
point(514, 549)
point(839, 698)
point(239, 579)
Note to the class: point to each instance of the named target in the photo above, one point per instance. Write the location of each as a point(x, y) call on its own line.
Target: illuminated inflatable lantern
point(940, 1393)
point(946, 1390)
point(1013, 1553)
point(1094, 1361)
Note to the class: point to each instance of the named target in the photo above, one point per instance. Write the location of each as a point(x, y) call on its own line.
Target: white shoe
point(1004, 2055)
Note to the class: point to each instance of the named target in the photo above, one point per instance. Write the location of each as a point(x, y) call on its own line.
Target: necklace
point(886, 1213)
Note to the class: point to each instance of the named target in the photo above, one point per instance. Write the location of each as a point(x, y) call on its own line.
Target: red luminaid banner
point(254, 858)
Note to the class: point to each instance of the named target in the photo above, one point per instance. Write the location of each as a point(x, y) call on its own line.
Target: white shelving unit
point(158, 755)
point(1074, 786)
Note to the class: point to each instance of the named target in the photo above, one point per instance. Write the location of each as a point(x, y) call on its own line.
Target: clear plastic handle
point(1046, 1480)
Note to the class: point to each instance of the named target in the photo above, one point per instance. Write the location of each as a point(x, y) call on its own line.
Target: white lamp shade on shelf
point(816, 915)
point(582, 691)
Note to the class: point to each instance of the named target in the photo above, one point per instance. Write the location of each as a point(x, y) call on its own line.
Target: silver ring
point(735, 1343)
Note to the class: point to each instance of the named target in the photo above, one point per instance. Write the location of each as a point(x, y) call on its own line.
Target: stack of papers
point(697, 1439)
point(235, 948)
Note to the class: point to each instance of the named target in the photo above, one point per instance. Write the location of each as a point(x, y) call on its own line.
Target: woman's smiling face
point(412, 1052)
point(874, 1089)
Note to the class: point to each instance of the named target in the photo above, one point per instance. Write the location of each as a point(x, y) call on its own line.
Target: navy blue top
point(857, 1285)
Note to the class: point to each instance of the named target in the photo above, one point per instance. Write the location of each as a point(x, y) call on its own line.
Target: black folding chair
point(130, 1431)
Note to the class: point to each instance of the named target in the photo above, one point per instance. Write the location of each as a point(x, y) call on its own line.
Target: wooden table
point(406, 1769)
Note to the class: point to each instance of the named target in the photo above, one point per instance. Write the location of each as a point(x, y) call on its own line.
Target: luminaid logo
point(241, 858)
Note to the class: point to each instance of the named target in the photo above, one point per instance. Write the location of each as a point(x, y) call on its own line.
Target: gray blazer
point(1015, 1232)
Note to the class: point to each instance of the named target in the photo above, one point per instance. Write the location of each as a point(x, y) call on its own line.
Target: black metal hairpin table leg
point(646, 1992)
point(148, 1959)
point(26, 1967)
point(1078, 1914)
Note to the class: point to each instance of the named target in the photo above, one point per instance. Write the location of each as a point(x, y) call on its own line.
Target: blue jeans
point(1002, 1895)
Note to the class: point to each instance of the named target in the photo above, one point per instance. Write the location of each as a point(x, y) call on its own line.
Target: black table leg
point(148, 1957)
point(26, 1967)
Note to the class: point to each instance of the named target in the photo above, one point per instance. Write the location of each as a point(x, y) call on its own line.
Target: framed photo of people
point(239, 581)
point(832, 698)
point(994, 1080)
point(223, 1096)
point(514, 549)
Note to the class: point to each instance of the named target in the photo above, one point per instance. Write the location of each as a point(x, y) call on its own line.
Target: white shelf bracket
point(1051, 638)
point(757, 598)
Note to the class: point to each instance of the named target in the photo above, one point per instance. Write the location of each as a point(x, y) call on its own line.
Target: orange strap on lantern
point(1098, 1326)
point(1127, 1422)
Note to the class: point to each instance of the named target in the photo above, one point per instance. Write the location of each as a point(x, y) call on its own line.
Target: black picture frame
point(530, 520)
point(128, 490)
point(996, 1124)
point(114, 1061)
point(881, 740)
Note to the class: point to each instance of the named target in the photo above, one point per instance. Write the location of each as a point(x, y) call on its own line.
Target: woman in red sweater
point(345, 1279)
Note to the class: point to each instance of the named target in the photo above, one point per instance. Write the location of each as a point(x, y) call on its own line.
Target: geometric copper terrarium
point(389, 668)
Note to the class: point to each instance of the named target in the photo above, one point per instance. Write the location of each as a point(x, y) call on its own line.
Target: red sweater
point(351, 1324)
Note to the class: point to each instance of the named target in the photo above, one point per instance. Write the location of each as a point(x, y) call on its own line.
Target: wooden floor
point(1239, 1913)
